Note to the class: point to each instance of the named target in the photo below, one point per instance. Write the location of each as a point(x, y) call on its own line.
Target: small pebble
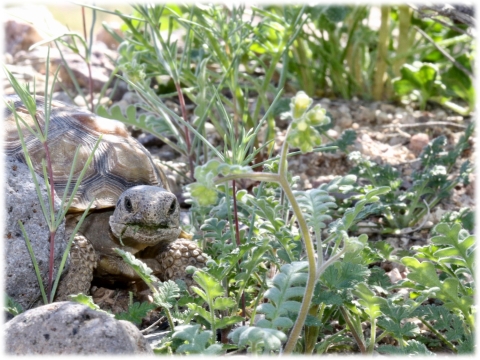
point(418, 142)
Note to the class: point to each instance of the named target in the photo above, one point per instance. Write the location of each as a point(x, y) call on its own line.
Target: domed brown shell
point(120, 161)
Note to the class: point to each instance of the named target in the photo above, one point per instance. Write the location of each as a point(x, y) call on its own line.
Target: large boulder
point(70, 328)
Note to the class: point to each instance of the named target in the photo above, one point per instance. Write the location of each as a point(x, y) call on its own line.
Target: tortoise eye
point(173, 207)
point(128, 204)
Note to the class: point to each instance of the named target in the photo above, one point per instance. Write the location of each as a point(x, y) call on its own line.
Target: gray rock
point(63, 97)
point(345, 121)
point(364, 114)
point(21, 203)
point(19, 35)
point(387, 108)
point(71, 328)
point(100, 64)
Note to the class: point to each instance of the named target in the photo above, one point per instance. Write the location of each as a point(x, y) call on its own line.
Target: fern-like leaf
point(315, 204)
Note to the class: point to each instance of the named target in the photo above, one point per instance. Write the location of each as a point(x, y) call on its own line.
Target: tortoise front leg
point(174, 258)
point(79, 275)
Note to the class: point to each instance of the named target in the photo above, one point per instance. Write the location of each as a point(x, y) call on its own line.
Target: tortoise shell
point(120, 161)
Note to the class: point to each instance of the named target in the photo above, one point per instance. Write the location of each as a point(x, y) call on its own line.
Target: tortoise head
point(145, 216)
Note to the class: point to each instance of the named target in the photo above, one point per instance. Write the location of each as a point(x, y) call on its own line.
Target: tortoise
point(132, 209)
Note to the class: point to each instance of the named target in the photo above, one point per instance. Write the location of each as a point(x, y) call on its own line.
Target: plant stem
point(404, 26)
point(51, 223)
point(439, 335)
point(309, 248)
point(251, 176)
point(373, 333)
point(171, 323)
point(357, 338)
point(183, 108)
point(87, 60)
point(237, 238)
point(383, 39)
point(311, 332)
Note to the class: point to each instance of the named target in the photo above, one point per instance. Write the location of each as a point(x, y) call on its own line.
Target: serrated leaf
point(136, 312)
point(450, 324)
point(322, 296)
point(459, 245)
point(398, 330)
point(424, 274)
point(312, 321)
point(166, 294)
point(412, 347)
point(344, 275)
point(369, 300)
point(209, 284)
point(145, 273)
point(197, 309)
point(222, 303)
point(395, 312)
point(227, 321)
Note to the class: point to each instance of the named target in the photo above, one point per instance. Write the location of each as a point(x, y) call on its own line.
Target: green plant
point(53, 217)
point(136, 312)
point(146, 58)
point(196, 341)
point(289, 271)
point(452, 253)
point(421, 81)
point(210, 291)
point(403, 209)
point(164, 294)
point(11, 306)
point(300, 132)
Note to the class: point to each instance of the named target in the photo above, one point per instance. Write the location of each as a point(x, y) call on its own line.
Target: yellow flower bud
point(301, 103)
point(317, 116)
point(302, 125)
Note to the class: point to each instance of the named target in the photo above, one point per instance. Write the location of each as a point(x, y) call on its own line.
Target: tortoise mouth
point(142, 234)
point(144, 226)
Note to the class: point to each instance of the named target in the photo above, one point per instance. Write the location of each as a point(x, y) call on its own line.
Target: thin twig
point(151, 327)
point(446, 54)
point(430, 123)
